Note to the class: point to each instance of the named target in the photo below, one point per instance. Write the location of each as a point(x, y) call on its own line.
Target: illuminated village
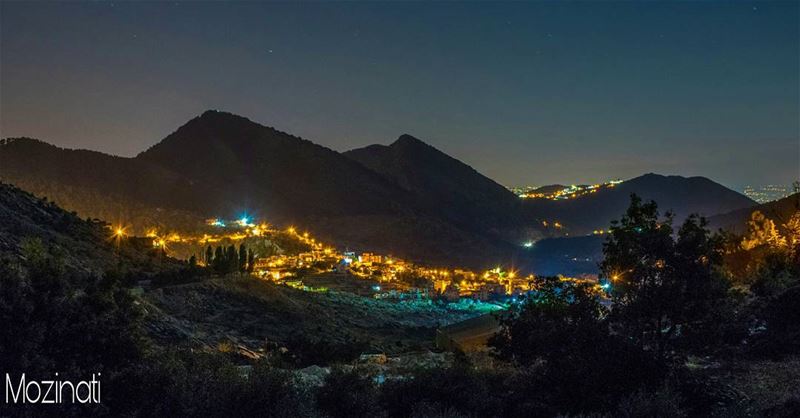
point(571, 192)
point(305, 263)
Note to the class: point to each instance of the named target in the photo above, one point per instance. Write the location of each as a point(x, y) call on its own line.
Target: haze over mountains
point(407, 199)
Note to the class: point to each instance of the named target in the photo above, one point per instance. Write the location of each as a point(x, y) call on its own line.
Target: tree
point(231, 260)
point(792, 227)
point(570, 360)
point(663, 289)
point(193, 261)
point(242, 258)
point(549, 321)
point(762, 232)
point(54, 318)
point(219, 260)
point(209, 256)
point(251, 261)
point(348, 394)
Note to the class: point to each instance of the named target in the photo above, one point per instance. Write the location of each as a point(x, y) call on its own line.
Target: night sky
point(531, 93)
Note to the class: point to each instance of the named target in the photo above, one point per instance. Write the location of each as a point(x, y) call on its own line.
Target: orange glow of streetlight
point(119, 232)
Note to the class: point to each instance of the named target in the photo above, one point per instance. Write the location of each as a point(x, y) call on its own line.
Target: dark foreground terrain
point(716, 335)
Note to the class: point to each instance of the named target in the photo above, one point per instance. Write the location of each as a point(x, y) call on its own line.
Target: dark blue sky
point(529, 93)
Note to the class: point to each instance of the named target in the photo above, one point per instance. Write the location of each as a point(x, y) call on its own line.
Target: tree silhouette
point(242, 258)
point(209, 256)
point(219, 260)
point(231, 260)
point(552, 317)
point(664, 289)
point(251, 261)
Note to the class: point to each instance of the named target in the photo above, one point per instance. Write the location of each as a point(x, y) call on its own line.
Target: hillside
point(441, 183)
point(30, 225)
point(681, 195)
point(97, 185)
point(779, 211)
point(251, 312)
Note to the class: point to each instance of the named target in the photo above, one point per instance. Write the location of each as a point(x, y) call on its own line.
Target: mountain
point(681, 195)
point(115, 189)
point(442, 183)
point(294, 181)
point(407, 199)
point(220, 164)
point(247, 164)
point(779, 211)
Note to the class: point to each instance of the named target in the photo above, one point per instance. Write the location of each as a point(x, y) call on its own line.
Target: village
point(298, 260)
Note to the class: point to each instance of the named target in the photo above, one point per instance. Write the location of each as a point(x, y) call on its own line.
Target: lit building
point(370, 258)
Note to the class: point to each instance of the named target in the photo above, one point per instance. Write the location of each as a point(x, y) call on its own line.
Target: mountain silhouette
point(680, 195)
point(442, 183)
point(407, 199)
point(220, 164)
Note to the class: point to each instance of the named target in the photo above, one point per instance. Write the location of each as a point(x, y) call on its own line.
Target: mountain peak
point(219, 116)
point(408, 140)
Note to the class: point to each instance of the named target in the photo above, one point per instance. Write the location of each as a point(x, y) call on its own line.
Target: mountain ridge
point(438, 180)
point(408, 198)
point(681, 195)
point(220, 164)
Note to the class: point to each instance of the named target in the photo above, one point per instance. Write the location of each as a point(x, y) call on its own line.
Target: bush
point(663, 402)
point(348, 394)
point(457, 390)
point(782, 318)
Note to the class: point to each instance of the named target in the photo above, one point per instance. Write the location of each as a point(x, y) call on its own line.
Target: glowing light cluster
point(571, 192)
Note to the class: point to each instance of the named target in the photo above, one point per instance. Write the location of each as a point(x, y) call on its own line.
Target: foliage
point(228, 260)
point(663, 402)
point(181, 383)
point(549, 321)
point(460, 389)
point(574, 363)
point(414, 280)
point(54, 319)
point(762, 232)
point(307, 351)
point(781, 316)
point(667, 290)
point(348, 394)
